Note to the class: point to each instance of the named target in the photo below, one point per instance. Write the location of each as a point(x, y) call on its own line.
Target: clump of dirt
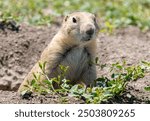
point(11, 25)
point(19, 51)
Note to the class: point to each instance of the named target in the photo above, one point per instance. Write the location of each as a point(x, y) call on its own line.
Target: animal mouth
point(87, 38)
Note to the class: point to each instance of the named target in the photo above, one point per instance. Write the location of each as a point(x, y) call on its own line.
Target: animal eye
point(74, 20)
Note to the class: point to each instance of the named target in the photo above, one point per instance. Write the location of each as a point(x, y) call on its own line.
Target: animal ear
point(95, 14)
point(97, 21)
point(97, 24)
point(66, 18)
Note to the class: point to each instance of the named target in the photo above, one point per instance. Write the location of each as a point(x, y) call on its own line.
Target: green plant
point(30, 11)
point(106, 88)
point(147, 88)
point(146, 65)
point(115, 14)
point(103, 89)
point(47, 86)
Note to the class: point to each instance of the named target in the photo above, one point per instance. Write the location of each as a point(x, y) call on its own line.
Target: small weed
point(104, 88)
point(147, 88)
point(47, 86)
point(146, 65)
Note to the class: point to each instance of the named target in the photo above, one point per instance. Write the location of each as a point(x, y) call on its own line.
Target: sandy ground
point(19, 51)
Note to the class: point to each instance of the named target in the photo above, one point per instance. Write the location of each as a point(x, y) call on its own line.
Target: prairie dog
point(74, 46)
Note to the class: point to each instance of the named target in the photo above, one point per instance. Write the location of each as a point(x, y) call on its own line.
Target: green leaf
point(87, 96)
point(44, 65)
point(114, 75)
point(96, 60)
point(146, 63)
point(40, 65)
point(33, 82)
point(147, 88)
point(34, 75)
point(49, 82)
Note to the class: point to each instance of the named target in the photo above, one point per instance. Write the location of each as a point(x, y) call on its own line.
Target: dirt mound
point(19, 51)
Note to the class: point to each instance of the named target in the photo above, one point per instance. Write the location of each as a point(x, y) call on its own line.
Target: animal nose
point(90, 31)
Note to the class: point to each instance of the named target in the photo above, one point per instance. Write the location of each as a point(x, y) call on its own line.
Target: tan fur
point(70, 47)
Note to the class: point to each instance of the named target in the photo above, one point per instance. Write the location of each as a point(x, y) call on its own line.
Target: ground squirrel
point(74, 46)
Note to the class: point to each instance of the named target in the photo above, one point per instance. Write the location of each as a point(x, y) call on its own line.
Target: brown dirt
point(19, 51)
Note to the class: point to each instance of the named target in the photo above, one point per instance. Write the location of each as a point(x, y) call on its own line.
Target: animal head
point(80, 26)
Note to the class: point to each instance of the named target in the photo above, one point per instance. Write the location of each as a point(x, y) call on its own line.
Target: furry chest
point(77, 60)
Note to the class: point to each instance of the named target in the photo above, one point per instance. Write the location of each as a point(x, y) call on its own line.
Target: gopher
point(74, 46)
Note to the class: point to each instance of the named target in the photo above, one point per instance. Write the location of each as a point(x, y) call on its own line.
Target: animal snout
point(90, 30)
